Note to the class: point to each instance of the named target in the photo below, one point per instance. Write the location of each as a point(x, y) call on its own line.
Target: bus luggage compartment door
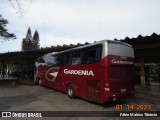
point(93, 90)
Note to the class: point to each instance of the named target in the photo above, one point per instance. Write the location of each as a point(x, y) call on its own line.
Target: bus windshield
point(48, 60)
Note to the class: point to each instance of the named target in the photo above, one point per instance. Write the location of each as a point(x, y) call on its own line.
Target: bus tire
point(70, 91)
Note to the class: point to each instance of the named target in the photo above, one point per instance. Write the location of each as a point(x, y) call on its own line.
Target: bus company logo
point(79, 72)
point(114, 61)
point(51, 74)
point(6, 114)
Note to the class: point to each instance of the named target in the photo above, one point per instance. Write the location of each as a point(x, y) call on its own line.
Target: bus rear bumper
point(117, 96)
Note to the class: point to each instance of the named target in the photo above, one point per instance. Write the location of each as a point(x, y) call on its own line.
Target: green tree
point(4, 34)
point(27, 41)
point(35, 41)
point(24, 45)
point(29, 35)
point(11, 68)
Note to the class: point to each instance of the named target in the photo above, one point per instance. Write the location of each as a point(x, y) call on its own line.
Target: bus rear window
point(120, 50)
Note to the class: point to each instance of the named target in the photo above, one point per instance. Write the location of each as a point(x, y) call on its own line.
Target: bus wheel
point(70, 91)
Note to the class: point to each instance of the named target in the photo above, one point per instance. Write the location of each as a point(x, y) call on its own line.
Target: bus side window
point(76, 57)
point(98, 53)
point(92, 55)
point(56, 60)
point(66, 59)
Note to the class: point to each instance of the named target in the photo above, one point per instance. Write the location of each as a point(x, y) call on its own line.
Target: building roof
point(147, 47)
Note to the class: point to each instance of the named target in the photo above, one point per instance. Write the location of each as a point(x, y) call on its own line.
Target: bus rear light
point(107, 87)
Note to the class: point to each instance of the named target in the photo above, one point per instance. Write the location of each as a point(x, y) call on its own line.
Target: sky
point(67, 22)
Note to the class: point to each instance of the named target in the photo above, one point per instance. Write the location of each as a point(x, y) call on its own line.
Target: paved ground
point(28, 97)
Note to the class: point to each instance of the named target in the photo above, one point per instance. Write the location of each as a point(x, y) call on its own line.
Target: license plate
point(123, 90)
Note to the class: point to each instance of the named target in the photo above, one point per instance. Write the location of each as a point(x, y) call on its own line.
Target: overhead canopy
point(147, 47)
point(28, 57)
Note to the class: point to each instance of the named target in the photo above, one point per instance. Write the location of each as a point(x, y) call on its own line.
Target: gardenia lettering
point(121, 62)
point(79, 72)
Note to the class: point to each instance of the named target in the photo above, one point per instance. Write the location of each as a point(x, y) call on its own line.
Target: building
point(147, 58)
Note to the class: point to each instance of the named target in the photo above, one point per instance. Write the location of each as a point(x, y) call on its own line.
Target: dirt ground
point(22, 97)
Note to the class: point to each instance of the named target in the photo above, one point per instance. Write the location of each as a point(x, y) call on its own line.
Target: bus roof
point(52, 53)
point(89, 45)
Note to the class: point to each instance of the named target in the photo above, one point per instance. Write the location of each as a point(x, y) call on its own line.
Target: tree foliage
point(4, 34)
point(36, 40)
point(29, 43)
point(12, 68)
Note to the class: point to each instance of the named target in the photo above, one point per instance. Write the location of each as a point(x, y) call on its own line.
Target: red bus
point(100, 72)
